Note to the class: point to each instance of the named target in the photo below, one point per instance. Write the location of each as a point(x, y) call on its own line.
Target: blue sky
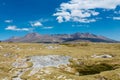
point(101, 17)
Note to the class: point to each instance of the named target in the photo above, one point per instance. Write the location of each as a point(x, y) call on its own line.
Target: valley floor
point(66, 61)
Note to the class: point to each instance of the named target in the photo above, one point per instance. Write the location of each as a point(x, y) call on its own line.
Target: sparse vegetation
point(89, 68)
point(76, 44)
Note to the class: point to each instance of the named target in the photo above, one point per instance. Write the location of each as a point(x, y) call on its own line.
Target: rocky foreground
point(36, 64)
point(84, 61)
point(51, 66)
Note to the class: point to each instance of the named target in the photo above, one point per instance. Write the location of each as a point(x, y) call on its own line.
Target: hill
point(60, 38)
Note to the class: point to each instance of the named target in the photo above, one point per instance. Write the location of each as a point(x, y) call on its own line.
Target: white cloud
point(50, 27)
point(60, 19)
point(117, 12)
point(14, 28)
point(83, 10)
point(80, 25)
point(116, 18)
point(36, 23)
point(11, 28)
point(8, 21)
point(45, 19)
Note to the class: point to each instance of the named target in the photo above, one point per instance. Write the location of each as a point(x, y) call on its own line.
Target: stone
point(102, 56)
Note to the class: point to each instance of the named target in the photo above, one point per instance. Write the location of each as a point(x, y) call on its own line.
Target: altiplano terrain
point(59, 39)
point(64, 61)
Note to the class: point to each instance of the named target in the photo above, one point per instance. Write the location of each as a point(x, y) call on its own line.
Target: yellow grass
point(9, 52)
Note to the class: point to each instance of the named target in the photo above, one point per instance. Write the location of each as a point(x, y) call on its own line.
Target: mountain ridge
point(59, 38)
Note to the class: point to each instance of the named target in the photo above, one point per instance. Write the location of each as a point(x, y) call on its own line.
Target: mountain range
point(60, 38)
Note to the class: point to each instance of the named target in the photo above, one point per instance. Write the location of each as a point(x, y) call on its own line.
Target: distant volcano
point(59, 38)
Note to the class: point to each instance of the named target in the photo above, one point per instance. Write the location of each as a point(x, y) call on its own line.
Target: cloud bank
point(83, 10)
point(14, 28)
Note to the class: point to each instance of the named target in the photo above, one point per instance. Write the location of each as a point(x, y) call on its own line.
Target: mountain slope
point(58, 38)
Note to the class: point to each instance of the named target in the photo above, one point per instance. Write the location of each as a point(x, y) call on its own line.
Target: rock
point(71, 70)
point(69, 79)
point(1, 47)
point(62, 67)
point(49, 60)
point(46, 71)
point(7, 54)
point(16, 79)
point(33, 71)
point(102, 56)
point(61, 77)
point(20, 63)
point(52, 47)
point(102, 78)
point(40, 62)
